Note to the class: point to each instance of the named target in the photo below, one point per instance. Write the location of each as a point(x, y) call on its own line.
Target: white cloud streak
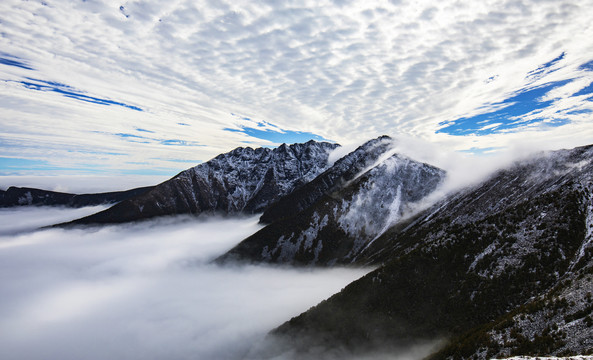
point(29, 218)
point(81, 184)
point(144, 291)
point(345, 70)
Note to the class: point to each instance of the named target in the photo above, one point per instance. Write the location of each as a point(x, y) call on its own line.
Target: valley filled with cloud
point(143, 291)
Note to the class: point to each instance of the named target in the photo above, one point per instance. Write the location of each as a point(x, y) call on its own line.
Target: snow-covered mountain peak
point(244, 180)
point(337, 215)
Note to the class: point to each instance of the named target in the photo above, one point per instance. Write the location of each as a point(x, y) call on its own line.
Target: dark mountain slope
point(241, 181)
point(520, 242)
point(23, 196)
point(343, 171)
point(340, 224)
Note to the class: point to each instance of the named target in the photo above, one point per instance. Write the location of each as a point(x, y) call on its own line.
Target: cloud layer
point(341, 70)
point(143, 292)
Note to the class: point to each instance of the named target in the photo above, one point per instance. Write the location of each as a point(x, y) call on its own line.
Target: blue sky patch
point(481, 151)
point(581, 111)
point(16, 63)
point(508, 113)
point(542, 69)
point(286, 136)
point(17, 163)
point(133, 138)
point(70, 92)
point(588, 66)
point(268, 131)
point(177, 142)
point(585, 91)
point(147, 140)
point(144, 130)
point(96, 152)
point(126, 136)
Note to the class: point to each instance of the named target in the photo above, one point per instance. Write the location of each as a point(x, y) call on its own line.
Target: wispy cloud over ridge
point(342, 71)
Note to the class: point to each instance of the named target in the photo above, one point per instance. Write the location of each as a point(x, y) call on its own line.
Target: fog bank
point(82, 184)
point(29, 218)
point(142, 291)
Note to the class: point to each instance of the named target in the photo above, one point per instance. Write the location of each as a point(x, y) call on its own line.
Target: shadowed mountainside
point(502, 268)
point(24, 196)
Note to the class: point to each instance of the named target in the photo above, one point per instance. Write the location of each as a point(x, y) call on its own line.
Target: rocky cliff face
point(343, 171)
point(343, 210)
point(503, 268)
point(244, 180)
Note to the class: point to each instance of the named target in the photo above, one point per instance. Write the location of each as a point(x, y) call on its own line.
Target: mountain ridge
point(244, 180)
point(484, 267)
point(27, 196)
point(342, 171)
point(353, 202)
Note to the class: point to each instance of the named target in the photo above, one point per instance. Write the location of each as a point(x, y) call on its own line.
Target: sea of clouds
point(141, 291)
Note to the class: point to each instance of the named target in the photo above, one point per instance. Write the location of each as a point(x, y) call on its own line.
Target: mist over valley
point(142, 291)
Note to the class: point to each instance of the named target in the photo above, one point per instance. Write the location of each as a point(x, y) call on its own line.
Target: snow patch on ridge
point(382, 160)
point(588, 241)
point(366, 213)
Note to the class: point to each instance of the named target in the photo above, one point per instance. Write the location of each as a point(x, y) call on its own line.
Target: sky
point(149, 88)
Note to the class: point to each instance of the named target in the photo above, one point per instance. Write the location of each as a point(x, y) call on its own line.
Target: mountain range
point(25, 196)
point(335, 217)
point(497, 269)
point(243, 181)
